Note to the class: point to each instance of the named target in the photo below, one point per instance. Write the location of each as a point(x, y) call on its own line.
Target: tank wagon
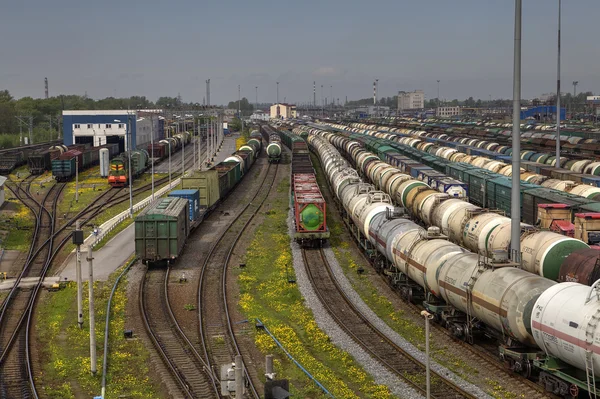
point(119, 167)
point(487, 188)
point(273, 149)
point(161, 230)
point(464, 223)
point(575, 170)
point(310, 213)
point(546, 330)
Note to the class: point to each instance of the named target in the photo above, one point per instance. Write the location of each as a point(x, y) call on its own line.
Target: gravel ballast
point(390, 333)
point(380, 373)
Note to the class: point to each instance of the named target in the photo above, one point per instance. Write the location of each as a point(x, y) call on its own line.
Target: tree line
point(45, 115)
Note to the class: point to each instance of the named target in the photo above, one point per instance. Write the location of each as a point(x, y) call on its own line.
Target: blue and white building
point(98, 127)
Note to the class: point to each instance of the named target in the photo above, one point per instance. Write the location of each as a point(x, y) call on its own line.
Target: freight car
point(310, 213)
point(41, 161)
point(161, 231)
point(13, 157)
point(119, 167)
point(273, 149)
point(483, 181)
point(546, 330)
point(465, 223)
point(572, 163)
point(78, 157)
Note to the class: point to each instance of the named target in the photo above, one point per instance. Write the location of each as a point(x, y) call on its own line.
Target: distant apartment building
point(445, 112)
point(283, 111)
point(411, 100)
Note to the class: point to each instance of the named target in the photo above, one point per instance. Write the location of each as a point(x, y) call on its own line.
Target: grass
point(266, 294)
point(65, 370)
point(18, 225)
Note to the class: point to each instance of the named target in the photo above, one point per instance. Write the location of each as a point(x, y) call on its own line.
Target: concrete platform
point(106, 260)
point(28, 282)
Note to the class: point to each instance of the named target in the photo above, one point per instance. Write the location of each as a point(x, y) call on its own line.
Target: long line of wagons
point(163, 228)
point(546, 330)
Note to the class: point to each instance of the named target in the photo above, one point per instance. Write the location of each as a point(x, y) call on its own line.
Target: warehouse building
point(98, 127)
point(283, 111)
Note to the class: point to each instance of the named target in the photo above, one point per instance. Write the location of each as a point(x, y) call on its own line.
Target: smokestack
point(46, 87)
point(208, 92)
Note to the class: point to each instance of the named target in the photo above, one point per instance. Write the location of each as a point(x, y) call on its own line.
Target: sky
point(151, 48)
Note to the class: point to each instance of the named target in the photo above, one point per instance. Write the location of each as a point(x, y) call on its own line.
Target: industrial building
point(99, 127)
point(283, 111)
point(411, 100)
point(446, 112)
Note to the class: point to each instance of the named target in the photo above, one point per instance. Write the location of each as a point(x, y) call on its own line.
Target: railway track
point(216, 330)
point(186, 365)
point(16, 377)
point(370, 338)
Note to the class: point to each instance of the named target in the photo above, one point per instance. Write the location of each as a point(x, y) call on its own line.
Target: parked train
point(273, 149)
point(80, 157)
point(13, 157)
point(488, 189)
point(162, 229)
point(546, 253)
point(574, 168)
point(310, 211)
point(546, 330)
point(40, 160)
point(118, 175)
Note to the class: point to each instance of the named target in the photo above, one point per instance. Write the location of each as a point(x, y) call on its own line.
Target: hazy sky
point(157, 48)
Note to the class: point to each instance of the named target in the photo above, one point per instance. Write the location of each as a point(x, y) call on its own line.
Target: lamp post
point(438, 96)
point(183, 136)
point(558, 94)
point(428, 316)
point(515, 212)
point(152, 146)
point(128, 137)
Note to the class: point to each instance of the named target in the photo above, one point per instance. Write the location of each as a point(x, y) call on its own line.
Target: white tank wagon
point(470, 297)
point(466, 224)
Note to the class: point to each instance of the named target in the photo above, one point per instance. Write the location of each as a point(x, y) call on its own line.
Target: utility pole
point(322, 105)
point(558, 94)
point(515, 211)
point(428, 316)
point(183, 146)
point(76, 178)
point(92, 312)
point(152, 146)
point(78, 240)
point(256, 88)
point(575, 83)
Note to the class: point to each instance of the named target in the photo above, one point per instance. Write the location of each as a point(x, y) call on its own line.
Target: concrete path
point(106, 260)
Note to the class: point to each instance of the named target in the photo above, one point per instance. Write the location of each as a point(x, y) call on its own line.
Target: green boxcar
point(213, 183)
point(63, 168)
point(477, 179)
point(161, 230)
